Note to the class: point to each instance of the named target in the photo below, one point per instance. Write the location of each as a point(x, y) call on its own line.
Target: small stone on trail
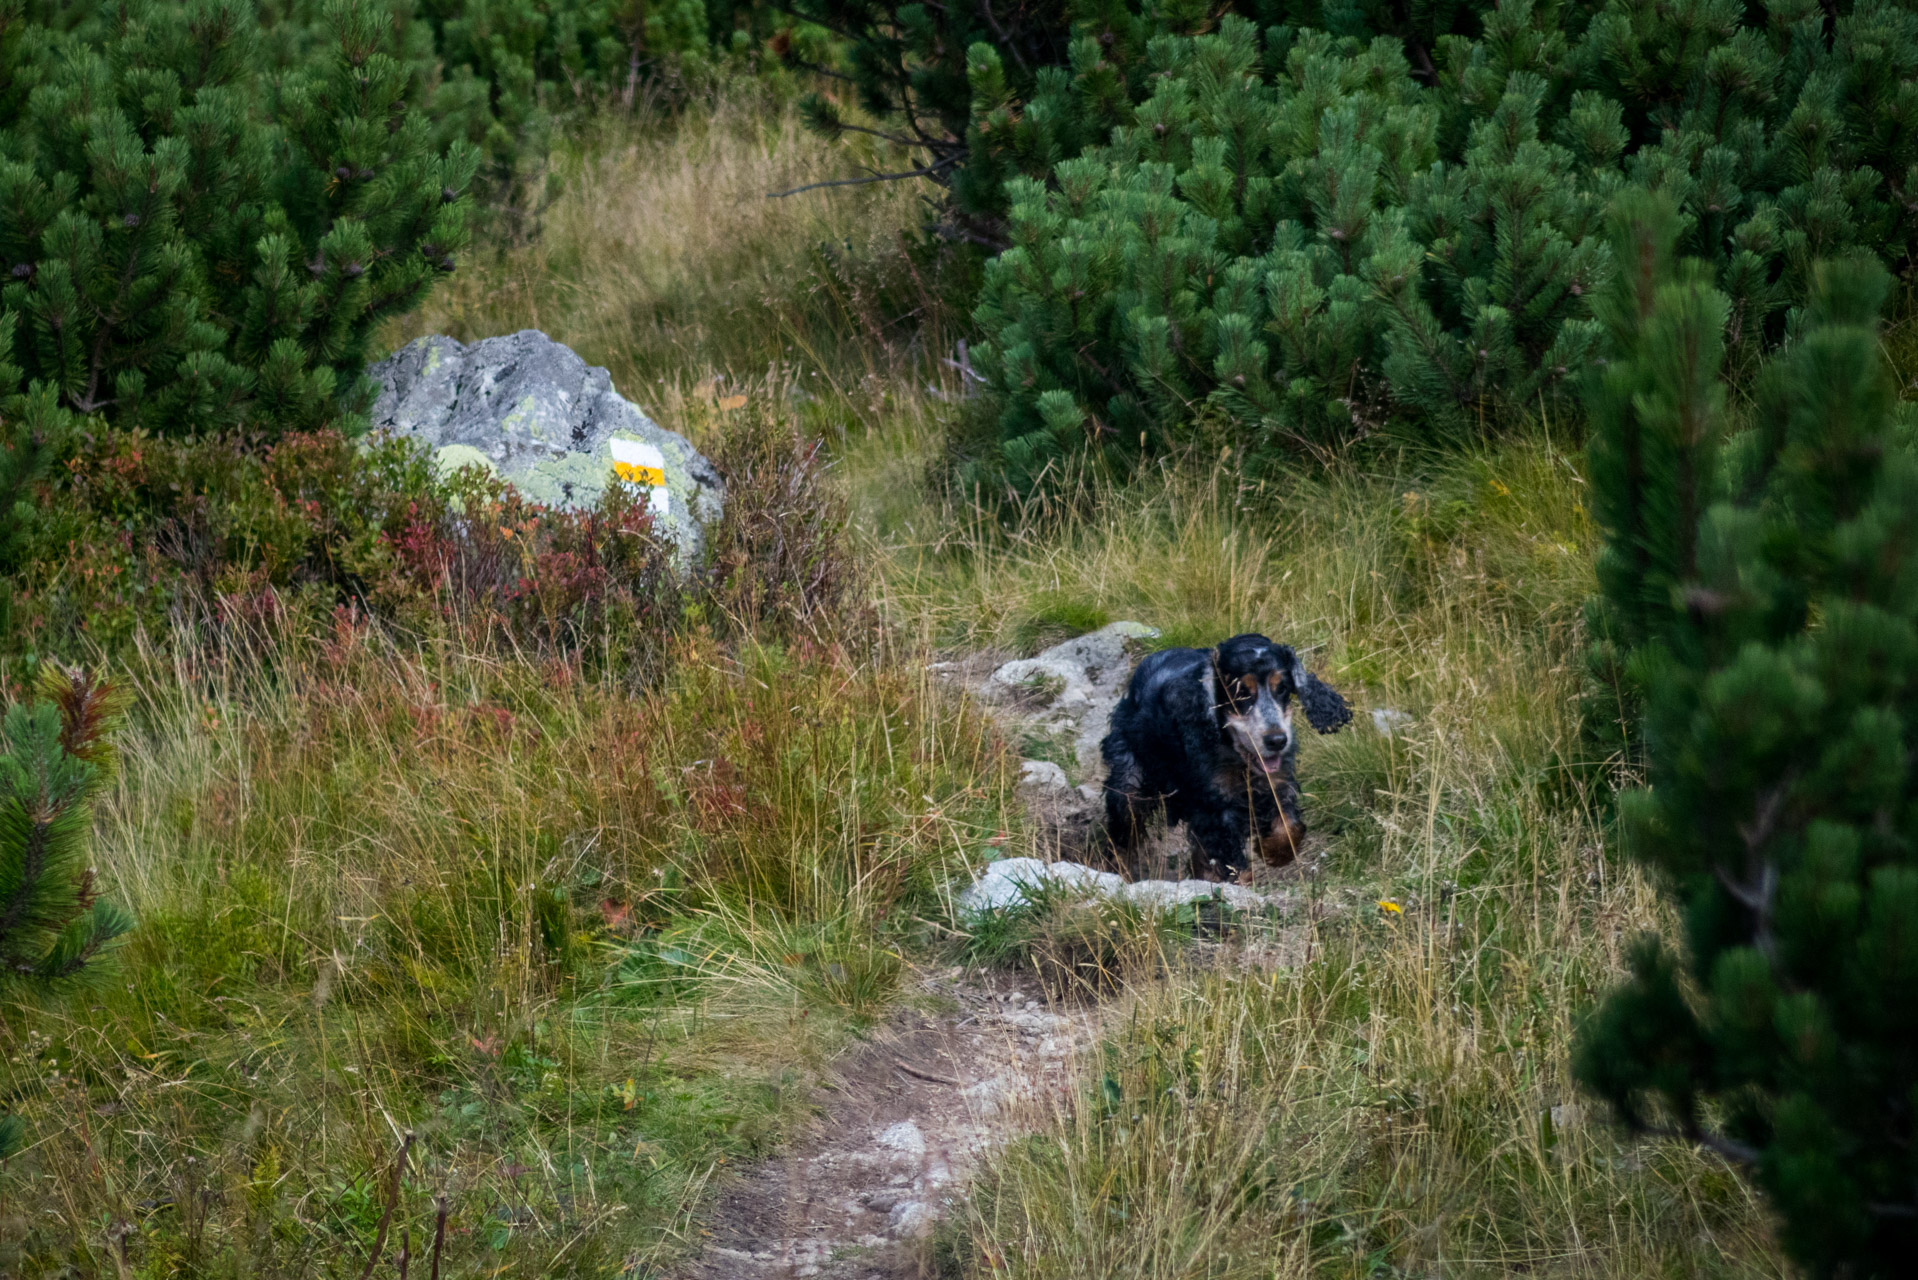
point(987, 1096)
point(904, 1137)
point(910, 1219)
point(1042, 775)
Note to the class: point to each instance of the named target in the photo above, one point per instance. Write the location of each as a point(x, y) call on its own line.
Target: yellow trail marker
point(643, 466)
point(633, 473)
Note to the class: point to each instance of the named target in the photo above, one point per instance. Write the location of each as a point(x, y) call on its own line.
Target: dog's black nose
point(1276, 743)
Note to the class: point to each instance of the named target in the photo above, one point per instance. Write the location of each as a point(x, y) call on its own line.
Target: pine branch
point(817, 69)
point(840, 126)
point(1005, 41)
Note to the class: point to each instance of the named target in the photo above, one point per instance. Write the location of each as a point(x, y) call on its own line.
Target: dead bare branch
point(926, 172)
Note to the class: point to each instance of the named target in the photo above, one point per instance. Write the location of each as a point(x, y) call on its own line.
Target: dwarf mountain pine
point(187, 244)
point(1307, 232)
point(1760, 589)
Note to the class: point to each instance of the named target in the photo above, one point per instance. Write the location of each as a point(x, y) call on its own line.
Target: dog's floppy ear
point(1324, 706)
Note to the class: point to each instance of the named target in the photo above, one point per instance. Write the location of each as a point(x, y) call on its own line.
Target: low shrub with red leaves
point(242, 539)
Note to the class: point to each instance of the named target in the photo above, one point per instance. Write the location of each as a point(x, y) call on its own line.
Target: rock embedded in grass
point(1011, 883)
point(904, 1137)
point(1389, 720)
point(1076, 683)
point(531, 411)
point(911, 1220)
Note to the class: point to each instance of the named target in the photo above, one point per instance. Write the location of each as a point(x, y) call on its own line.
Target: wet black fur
point(1169, 747)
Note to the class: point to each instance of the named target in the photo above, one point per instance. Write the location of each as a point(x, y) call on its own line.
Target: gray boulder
point(1075, 685)
point(533, 412)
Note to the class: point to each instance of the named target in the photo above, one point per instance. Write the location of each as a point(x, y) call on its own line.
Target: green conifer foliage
point(54, 757)
point(1009, 88)
point(53, 923)
point(501, 75)
point(190, 245)
point(33, 430)
point(1307, 232)
point(1761, 587)
point(34, 433)
point(509, 66)
point(999, 90)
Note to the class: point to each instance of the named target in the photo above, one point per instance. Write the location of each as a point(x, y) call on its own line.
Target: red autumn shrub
point(240, 539)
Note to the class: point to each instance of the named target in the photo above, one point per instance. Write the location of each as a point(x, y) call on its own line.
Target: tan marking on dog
point(1232, 779)
point(1282, 841)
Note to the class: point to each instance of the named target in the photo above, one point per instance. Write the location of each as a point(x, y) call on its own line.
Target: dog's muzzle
point(1261, 736)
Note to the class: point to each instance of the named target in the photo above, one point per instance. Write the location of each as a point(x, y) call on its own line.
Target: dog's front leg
point(1281, 828)
point(1283, 839)
point(1126, 801)
point(1218, 844)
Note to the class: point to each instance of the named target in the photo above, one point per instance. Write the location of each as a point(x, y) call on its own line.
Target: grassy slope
point(1401, 1105)
point(350, 855)
point(579, 941)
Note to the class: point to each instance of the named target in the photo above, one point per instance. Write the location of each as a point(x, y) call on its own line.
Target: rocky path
point(902, 1123)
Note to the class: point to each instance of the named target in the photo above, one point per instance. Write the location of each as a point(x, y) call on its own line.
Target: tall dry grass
point(581, 941)
point(1364, 563)
point(1400, 1105)
point(662, 258)
point(584, 938)
point(568, 931)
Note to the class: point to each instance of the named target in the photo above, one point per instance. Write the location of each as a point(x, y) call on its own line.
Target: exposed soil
point(901, 1124)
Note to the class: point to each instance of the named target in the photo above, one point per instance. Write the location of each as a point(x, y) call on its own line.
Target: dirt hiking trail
point(903, 1122)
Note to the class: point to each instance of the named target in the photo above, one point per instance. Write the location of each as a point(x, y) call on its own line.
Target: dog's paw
point(1283, 841)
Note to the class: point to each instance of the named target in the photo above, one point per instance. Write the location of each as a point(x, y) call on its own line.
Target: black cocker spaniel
point(1207, 734)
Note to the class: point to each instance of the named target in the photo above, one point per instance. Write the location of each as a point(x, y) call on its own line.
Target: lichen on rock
point(533, 412)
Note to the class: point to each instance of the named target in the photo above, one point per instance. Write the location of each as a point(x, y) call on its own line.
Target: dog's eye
point(1275, 681)
point(1250, 684)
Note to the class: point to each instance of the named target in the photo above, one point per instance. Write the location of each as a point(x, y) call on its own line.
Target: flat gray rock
point(1011, 883)
point(530, 410)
